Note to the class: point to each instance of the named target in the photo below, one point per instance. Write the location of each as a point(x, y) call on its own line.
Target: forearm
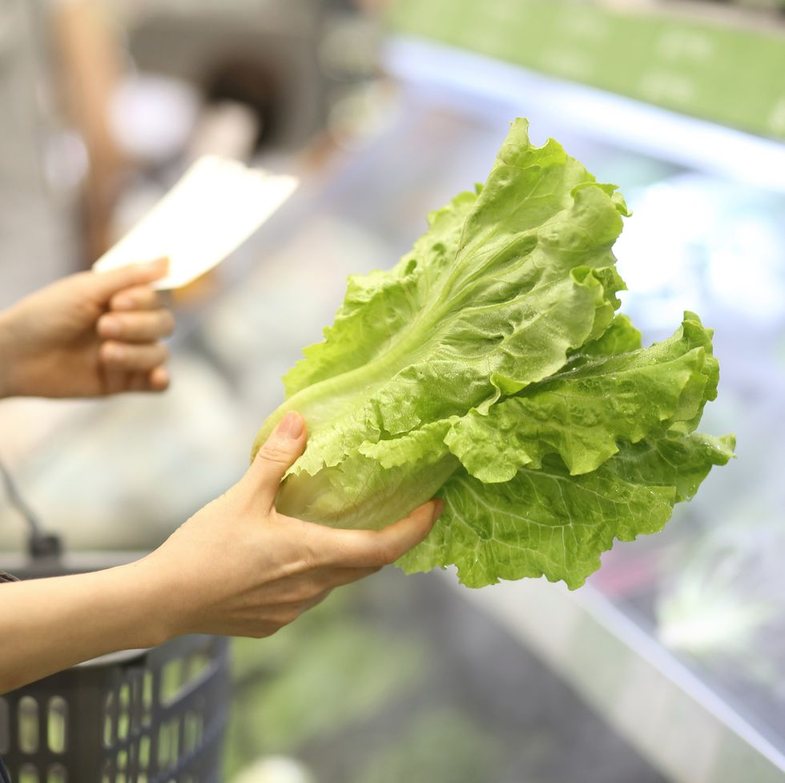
point(50, 624)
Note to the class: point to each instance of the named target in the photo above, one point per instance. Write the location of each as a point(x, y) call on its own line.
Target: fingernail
point(291, 425)
point(438, 507)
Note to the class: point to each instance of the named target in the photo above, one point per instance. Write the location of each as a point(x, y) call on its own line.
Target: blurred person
point(237, 567)
point(90, 67)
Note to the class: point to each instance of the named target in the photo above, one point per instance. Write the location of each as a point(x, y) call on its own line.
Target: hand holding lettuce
point(489, 367)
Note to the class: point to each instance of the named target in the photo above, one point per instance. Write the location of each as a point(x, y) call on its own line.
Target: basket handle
point(40, 544)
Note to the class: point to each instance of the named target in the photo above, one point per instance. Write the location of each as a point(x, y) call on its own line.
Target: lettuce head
point(490, 367)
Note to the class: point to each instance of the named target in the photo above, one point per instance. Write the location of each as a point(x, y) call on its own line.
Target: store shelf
point(438, 136)
point(690, 62)
point(554, 102)
point(661, 707)
point(699, 710)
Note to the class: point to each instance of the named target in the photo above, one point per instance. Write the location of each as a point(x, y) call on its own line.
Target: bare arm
point(51, 624)
point(237, 567)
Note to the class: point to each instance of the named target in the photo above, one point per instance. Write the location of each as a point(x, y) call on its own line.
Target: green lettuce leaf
point(490, 367)
point(584, 412)
point(621, 336)
point(548, 523)
point(505, 284)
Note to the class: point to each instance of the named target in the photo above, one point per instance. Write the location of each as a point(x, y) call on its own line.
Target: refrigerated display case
point(669, 664)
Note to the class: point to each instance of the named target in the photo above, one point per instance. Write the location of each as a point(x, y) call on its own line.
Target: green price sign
point(702, 67)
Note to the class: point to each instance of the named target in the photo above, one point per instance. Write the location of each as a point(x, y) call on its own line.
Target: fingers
point(157, 379)
point(106, 284)
point(376, 548)
point(141, 297)
point(277, 454)
point(129, 358)
point(132, 357)
point(117, 381)
point(136, 327)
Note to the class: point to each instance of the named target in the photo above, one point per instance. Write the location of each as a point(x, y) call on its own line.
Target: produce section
point(667, 664)
point(680, 55)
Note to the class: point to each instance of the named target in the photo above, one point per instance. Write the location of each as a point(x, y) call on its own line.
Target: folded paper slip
point(207, 215)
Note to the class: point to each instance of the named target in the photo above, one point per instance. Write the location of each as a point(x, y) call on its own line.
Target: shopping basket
point(139, 716)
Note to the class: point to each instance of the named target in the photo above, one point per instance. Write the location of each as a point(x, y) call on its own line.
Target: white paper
point(207, 215)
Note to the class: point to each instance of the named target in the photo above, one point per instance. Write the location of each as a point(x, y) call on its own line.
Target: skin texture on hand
point(237, 567)
point(87, 335)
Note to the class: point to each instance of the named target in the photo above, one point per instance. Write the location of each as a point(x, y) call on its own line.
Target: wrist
point(154, 601)
point(163, 596)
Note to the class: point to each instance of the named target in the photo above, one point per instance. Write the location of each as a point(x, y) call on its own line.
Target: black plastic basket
point(139, 716)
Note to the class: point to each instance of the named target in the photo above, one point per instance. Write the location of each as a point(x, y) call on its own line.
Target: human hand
point(90, 334)
point(238, 567)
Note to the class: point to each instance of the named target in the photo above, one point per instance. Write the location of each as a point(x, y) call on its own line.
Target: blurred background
point(670, 664)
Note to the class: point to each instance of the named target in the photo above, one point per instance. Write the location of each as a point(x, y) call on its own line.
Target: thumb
point(276, 455)
point(107, 283)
